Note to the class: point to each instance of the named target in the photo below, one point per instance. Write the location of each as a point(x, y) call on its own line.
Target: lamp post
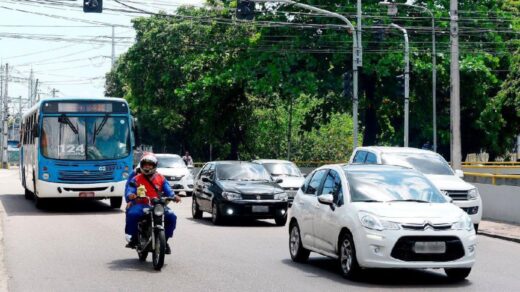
point(356, 52)
point(392, 10)
point(406, 82)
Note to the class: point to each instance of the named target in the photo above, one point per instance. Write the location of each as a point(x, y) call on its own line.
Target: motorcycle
point(150, 235)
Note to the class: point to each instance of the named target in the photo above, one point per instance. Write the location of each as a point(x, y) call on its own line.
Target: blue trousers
point(135, 212)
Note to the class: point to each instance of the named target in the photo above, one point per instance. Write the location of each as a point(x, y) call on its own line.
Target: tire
point(39, 202)
point(347, 260)
point(457, 274)
point(115, 202)
point(189, 194)
point(281, 220)
point(298, 253)
point(196, 213)
point(28, 195)
point(216, 217)
point(159, 251)
point(476, 227)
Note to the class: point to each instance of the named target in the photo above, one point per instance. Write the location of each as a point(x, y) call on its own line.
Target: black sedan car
point(232, 189)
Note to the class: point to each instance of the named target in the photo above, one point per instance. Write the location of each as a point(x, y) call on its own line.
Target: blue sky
point(67, 49)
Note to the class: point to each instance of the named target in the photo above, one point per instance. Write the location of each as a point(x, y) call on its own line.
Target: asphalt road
point(79, 246)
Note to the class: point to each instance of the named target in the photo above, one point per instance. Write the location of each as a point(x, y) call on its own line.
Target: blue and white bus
point(76, 148)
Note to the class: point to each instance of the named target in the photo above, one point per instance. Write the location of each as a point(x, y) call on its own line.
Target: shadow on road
point(242, 222)
point(133, 264)
point(383, 278)
point(17, 205)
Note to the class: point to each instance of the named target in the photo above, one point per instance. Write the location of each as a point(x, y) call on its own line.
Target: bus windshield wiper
point(98, 130)
point(63, 119)
point(409, 200)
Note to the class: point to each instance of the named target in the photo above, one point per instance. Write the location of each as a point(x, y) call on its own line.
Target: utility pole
point(406, 82)
point(30, 91)
point(113, 45)
point(36, 95)
point(54, 90)
point(1, 112)
point(456, 156)
point(5, 110)
point(289, 130)
point(357, 62)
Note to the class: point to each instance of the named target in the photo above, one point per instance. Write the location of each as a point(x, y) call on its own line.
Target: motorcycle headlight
point(158, 210)
point(230, 196)
point(473, 194)
point(464, 223)
point(281, 196)
point(371, 221)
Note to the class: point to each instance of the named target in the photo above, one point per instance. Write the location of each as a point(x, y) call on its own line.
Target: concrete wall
point(500, 203)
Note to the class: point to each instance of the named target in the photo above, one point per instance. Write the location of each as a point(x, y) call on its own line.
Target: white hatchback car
point(379, 216)
point(434, 167)
point(178, 175)
point(292, 178)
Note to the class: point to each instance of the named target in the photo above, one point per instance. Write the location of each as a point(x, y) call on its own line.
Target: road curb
point(494, 235)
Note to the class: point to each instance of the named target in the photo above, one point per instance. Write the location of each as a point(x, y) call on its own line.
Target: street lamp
point(406, 82)
point(392, 10)
point(356, 56)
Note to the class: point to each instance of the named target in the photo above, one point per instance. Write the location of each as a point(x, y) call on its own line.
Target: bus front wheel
point(28, 194)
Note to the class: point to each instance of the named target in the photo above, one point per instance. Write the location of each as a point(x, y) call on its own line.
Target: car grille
point(257, 197)
point(85, 176)
point(419, 227)
point(457, 195)
point(403, 249)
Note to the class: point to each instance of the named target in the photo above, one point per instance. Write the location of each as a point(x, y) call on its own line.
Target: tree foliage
point(208, 83)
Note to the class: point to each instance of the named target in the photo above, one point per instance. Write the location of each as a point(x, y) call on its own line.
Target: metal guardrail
point(494, 179)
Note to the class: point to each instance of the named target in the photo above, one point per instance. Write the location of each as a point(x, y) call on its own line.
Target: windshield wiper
point(98, 130)
point(369, 201)
point(409, 200)
point(63, 119)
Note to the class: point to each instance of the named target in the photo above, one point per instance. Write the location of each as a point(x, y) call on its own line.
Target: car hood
point(173, 171)
point(449, 182)
point(291, 181)
point(413, 212)
point(250, 187)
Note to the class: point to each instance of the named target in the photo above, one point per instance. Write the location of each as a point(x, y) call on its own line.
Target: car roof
point(366, 167)
point(230, 162)
point(166, 155)
point(271, 161)
point(388, 149)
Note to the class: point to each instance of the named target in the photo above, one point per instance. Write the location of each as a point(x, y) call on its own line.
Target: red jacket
point(160, 184)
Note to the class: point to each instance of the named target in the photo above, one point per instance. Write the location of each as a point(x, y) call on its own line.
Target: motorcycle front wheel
point(159, 250)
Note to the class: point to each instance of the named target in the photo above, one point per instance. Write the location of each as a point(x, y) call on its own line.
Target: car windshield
point(85, 138)
point(391, 185)
point(282, 169)
point(170, 162)
point(242, 171)
point(425, 163)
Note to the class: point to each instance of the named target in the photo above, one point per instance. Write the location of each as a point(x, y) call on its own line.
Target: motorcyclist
point(156, 186)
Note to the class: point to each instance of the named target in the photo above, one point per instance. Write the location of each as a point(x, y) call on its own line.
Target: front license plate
point(260, 209)
point(86, 194)
point(429, 247)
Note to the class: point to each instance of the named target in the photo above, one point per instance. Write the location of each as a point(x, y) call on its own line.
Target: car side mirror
point(305, 174)
point(205, 179)
point(327, 199)
point(459, 173)
point(278, 180)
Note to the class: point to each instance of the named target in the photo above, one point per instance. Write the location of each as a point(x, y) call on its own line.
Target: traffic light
point(347, 84)
point(399, 89)
point(95, 6)
point(245, 10)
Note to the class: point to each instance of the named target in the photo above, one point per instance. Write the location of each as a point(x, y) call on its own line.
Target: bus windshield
point(85, 138)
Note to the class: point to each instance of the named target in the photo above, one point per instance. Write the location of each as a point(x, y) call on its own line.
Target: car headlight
point(158, 210)
point(464, 223)
point(473, 194)
point(371, 221)
point(281, 196)
point(125, 175)
point(230, 196)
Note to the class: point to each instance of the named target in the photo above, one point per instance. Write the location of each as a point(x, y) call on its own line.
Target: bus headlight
point(45, 176)
point(125, 175)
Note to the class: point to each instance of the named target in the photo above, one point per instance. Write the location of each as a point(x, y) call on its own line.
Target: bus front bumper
point(96, 190)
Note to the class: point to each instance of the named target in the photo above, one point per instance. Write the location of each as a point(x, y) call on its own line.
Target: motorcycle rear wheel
point(159, 251)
